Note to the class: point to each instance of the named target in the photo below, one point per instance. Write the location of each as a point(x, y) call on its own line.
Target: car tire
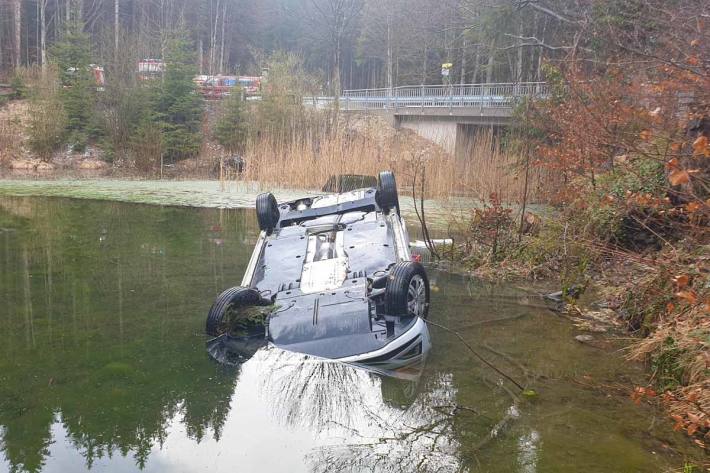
point(407, 290)
point(235, 296)
point(387, 197)
point(267, 211)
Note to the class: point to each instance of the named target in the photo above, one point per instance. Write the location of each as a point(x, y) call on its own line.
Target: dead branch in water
point(420, 210)
point(478, 355)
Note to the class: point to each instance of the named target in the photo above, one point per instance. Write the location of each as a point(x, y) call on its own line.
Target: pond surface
point(103, 367)
point(209, 193)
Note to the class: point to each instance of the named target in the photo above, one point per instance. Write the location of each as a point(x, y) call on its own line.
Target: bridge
point(446, 114)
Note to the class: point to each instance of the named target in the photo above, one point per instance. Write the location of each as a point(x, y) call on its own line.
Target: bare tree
point(43, 33)
point(116, 12)
point(334, 22)
point(17, 44)
point(213, 36)
point(221, 48)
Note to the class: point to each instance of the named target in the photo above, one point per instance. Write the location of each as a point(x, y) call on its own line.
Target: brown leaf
point(689, 296)
point(679, 177)
point(692, 207)
point(692, 428)
point(695, 43)
point(676, 146)
point(646, 135)
point(681, 280)
point(673, 164)
point(700, 145)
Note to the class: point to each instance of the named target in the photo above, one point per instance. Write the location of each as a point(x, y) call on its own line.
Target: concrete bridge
point(449, 115)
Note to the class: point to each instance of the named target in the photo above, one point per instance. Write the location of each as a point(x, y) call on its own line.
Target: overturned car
point(330, 276)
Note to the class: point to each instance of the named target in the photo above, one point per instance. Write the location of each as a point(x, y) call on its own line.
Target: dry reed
point(11, 132)
point(306, 159)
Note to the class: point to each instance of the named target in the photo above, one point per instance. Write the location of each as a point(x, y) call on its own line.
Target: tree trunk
point(463, 61)
point(116, 10)
point(55, 19)
point(221, 48)
point(17, 45)
point(27, 39)
point(519, 63)
point(2, 45)
point(424, 65)
point(200, 56)
point(539, 54)
point(389, 54)
point(38, 54)
point(43, 33)
point(491, 61)
point(476, 64)
point(336, 68)
point(163, 22)
point(141, 22)
point(350, 78)
point(213, 41)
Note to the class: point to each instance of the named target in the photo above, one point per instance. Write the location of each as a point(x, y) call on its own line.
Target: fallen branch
point(477, 355)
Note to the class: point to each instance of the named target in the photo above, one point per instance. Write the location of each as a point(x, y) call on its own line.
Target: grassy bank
point(632, 222)
point(645, 270)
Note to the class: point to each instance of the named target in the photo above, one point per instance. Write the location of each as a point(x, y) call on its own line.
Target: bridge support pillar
point(439, 130)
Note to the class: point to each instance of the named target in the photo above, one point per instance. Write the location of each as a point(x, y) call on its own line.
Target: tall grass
point(11, 131)
point(306, 158)
point(9, 140)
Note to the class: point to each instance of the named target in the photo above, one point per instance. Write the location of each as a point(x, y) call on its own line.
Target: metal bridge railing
point(503, 95)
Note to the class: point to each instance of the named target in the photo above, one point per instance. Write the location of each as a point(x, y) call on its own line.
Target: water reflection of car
point(330, 276)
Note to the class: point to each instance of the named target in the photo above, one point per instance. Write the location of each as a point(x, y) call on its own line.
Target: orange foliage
point(646, 100)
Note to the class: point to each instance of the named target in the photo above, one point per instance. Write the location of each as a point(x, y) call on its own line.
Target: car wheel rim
point(416, 296)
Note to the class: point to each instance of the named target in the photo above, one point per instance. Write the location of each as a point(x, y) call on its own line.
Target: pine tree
point(231, 128)
point(78, 92)
point(178, 107)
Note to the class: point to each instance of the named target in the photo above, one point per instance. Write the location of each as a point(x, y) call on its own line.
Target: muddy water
point(103, 367)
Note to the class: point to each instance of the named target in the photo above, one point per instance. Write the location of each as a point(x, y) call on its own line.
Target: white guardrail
point(503, 95)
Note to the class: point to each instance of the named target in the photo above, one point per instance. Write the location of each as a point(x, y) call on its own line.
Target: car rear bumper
point(409, 347)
